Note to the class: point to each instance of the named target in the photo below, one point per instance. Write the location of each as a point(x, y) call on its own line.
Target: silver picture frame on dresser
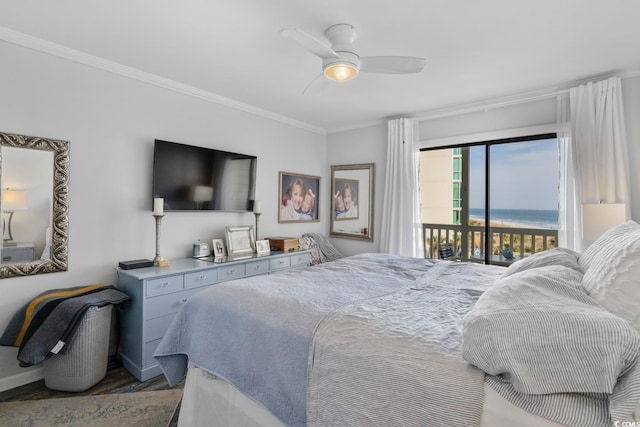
point(241, 240)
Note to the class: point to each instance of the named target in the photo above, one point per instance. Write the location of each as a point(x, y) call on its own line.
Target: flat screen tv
point(193, 178)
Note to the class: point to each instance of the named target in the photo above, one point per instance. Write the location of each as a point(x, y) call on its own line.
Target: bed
point(378, 339)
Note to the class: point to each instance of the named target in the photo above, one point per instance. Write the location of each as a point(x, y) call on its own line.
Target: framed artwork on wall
point(352, 191)
point(299, 198)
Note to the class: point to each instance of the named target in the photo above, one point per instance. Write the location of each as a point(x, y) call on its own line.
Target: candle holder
point(257, 214)
point(157, 260)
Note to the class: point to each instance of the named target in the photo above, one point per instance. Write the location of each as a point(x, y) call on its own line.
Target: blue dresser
point(157, 293)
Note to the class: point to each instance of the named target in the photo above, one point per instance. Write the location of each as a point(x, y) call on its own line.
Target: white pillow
point(556, 256)
point(612, 271)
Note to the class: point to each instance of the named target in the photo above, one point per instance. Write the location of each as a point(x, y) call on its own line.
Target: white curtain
point(401, 231)
point(593, 154)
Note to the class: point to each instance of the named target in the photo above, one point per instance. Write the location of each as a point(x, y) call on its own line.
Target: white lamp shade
point(14, 200)
point(598, 218)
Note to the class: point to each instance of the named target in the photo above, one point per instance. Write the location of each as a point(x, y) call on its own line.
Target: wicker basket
point(85, 362)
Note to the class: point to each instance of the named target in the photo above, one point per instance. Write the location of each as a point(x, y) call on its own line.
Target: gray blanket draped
point(54, 322)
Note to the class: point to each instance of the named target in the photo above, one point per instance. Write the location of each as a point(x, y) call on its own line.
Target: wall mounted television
point(191, 178)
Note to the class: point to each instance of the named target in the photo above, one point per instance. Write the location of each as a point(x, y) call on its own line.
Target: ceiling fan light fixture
point(341, 71)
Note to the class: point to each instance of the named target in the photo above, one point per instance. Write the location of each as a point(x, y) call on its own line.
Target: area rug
point(140, 409)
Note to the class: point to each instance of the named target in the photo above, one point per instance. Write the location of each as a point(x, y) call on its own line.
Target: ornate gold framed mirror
point(34, 175)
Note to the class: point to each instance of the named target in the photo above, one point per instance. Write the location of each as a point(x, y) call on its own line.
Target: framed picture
point(352, 191)
point(240, 240)
point(262, 247)
point(345, 199)
point(298, 198)
point(218, 248)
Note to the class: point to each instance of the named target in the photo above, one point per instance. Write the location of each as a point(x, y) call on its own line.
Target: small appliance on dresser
point(201, 250)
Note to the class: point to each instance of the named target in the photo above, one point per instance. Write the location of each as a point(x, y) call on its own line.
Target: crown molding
point(44, 46)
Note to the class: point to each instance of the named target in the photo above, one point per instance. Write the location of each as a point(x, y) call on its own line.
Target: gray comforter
point(396, 360)
point(256, 332)
point(377, 339)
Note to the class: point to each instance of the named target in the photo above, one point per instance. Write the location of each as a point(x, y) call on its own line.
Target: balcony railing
point(522, 242)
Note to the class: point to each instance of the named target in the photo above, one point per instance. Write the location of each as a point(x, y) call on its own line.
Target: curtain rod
point(488, 106)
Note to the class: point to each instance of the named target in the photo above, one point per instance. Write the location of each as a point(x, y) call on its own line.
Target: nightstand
point(21, 252)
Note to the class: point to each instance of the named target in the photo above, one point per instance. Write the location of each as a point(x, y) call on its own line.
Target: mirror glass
point(352, 201)
point(33, 203)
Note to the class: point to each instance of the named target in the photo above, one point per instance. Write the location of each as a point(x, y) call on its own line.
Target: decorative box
point(284, 244)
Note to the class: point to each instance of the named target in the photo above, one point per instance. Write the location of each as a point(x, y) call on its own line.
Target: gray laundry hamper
point(85, 362)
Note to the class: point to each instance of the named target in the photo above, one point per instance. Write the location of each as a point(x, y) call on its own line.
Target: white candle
point(257, 207)
point(158, 206)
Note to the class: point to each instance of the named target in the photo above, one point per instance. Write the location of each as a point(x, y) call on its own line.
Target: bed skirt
point(207, 398)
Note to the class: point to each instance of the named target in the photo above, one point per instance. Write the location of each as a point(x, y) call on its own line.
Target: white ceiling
point(475, 49)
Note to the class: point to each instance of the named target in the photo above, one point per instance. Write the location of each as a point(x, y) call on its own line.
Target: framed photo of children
point(352, 193)
point(299, 198)
point(345, 199)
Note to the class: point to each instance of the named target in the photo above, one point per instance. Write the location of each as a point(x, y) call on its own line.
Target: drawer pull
point(165, 284)
point(183, 300)
point(202, 277)
point(280, 262)
point(258, 267)
point(6, 258)
point(231, 272)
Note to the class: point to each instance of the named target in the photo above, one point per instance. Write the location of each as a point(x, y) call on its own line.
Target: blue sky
point(524, 175)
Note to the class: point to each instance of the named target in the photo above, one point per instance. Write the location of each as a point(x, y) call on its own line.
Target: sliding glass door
point(493, 201)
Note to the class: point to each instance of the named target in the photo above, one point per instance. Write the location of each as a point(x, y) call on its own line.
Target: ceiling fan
point(341, 62)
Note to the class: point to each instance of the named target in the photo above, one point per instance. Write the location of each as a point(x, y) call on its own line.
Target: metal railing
point(521, 242)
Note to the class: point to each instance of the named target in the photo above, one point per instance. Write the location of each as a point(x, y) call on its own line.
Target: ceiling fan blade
point(309, 43)
point(317, 85)
point(392, 64)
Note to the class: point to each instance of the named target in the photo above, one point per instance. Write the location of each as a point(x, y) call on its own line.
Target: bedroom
point(111, 120)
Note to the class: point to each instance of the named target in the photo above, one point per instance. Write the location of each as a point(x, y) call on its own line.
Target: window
point(505, 189)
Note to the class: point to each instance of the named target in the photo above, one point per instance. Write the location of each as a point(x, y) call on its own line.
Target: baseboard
point(22, 378)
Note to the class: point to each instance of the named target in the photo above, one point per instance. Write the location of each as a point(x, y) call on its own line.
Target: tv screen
point(193, 178)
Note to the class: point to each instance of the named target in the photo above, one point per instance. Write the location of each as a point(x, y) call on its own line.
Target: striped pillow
point(612, 271)
point(541, 332)
point(556, 256)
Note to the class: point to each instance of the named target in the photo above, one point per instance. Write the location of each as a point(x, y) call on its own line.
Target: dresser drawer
point(230, 272)
point(156, 328)
point(201, 278)
point(257, 267)
point(278, 263)
point(299, 259)
point(163, 285)
point(167, 304)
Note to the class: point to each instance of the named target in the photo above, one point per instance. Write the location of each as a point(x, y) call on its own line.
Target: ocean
point(533, 217)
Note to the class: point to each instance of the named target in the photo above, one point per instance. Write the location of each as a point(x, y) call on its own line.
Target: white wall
point(111, 122)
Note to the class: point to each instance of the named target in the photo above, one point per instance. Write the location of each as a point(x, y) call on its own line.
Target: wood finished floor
point(118, 380)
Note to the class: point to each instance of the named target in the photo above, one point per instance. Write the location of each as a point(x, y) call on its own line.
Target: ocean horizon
point(534, 217)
